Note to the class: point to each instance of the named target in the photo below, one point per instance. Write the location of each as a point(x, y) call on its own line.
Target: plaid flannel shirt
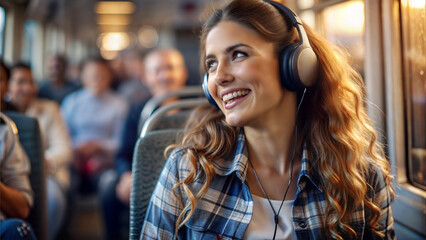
point(224, 212)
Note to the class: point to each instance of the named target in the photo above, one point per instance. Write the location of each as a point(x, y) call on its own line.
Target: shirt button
point(302, 224)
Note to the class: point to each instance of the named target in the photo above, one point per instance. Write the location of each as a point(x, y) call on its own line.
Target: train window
point(344, 25)
point(30, 37)
point(341, 23)
point(55, 40)
point(414, 70)
point(2, 27)
point(33, 47)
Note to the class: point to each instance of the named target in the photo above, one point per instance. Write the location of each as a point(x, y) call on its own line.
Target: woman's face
point(243, 74)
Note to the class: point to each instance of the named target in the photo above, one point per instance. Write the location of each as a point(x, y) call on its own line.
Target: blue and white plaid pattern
point(225, 210)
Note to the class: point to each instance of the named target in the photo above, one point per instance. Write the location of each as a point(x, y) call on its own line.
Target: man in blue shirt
point(95, 117)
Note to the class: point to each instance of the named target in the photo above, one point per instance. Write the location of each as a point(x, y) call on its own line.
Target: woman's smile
point(233, 97)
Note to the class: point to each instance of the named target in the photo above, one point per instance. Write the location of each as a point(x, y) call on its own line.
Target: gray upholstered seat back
point(148, 162)
point(30, 138)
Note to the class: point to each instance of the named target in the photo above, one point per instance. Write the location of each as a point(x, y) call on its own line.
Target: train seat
point(148, 162)
point(30, 138)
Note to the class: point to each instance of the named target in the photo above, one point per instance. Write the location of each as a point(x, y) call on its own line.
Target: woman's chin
point(235, 121)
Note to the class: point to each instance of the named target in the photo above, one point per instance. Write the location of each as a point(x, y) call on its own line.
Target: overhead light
point(115, 7)
point(113, 41)
point(113, 19)
point(111, 28)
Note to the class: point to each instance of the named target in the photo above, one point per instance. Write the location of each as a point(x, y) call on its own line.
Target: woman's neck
point(272, 144)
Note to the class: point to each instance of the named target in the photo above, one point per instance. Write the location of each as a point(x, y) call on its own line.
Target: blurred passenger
point(4, 97)
point(165, 71)
point(95, 117)
point(57, 87)
point(73, 73)
point(118, 72)
point(56, 141)
point(16, 196)
point(132, 87)
point(15, 189)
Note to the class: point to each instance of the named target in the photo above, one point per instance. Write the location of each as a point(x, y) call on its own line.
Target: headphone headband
point(295, 21)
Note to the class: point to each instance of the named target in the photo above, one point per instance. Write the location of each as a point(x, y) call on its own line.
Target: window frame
point(409, 205)
point(3, 38)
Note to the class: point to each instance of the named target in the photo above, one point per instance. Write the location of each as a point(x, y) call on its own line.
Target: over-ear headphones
point(298, 63)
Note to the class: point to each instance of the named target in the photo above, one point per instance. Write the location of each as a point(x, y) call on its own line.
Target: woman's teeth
point(232, 95)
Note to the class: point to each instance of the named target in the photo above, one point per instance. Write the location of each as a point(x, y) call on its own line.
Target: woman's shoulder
point(178, 160)
point(376, 180)
point(178, 165)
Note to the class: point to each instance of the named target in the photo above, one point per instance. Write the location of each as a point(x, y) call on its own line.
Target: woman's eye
point(210, 65)
point(238, 54)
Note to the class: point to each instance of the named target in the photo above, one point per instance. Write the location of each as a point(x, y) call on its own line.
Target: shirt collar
point(307, 172)
point(239, 164)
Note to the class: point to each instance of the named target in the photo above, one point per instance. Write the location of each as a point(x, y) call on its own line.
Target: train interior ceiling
point(385, 39)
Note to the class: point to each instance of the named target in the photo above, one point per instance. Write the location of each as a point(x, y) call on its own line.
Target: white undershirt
point(262, 223)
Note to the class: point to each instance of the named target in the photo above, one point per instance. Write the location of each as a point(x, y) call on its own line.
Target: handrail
point(152, 104)
point(153, 120)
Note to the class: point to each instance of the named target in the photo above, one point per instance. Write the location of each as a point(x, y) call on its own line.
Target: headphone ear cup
point(207, 93)
point(305, 67)
point(286, 58)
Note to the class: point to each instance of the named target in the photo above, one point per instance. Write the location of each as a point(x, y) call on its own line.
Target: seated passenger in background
point(57, 87)
point(16, 197)
point(15, 189)
point(132, 86)
point(56, 141)
point(165, 71)
point(95, 117)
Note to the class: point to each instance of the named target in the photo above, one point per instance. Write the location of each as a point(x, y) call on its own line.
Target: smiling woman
point(288, 152)
point(249, 58)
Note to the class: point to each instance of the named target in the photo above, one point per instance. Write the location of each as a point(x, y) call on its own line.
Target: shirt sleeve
point(113, 143)
point(15, 167)
point(164, 207)
point(66, 110)
point(58, 143)
point(123, 160)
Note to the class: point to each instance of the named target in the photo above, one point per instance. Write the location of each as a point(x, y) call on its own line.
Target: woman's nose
point(223, 74)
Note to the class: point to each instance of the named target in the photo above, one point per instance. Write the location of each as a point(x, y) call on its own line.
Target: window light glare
point(347, 19)
point(420, 4)
point(305, 4)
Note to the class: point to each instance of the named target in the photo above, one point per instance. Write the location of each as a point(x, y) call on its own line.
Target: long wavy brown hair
point(339, 136)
